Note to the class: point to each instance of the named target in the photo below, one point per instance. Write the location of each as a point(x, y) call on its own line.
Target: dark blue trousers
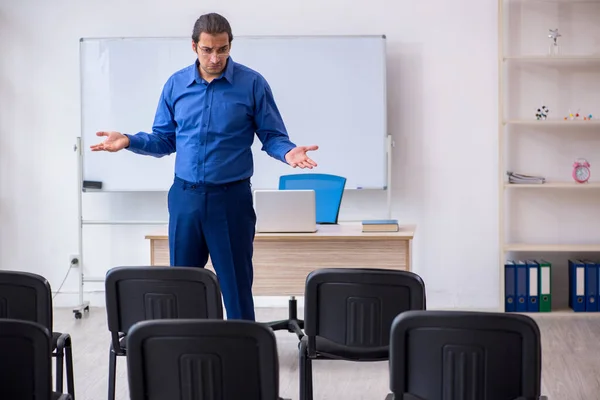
point(218, 220)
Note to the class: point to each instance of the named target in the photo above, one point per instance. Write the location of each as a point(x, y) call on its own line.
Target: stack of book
point(380, 225)
point(522, 178)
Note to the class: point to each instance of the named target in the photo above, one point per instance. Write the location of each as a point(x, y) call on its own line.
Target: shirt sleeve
point(269, 124)
point(161, 141)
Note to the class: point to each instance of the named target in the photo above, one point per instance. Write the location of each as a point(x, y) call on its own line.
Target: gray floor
point(571, 360)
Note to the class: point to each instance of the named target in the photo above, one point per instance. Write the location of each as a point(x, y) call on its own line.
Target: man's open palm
point(297, 157)
point(114, 141)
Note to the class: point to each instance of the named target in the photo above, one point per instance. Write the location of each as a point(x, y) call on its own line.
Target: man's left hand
point(297, 157)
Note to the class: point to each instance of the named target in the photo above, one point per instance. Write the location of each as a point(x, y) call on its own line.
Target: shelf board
point(595, 122)
point(524, 247)
point(564, 1)
point(560, 312)
point(553, 185)
point(554, 59)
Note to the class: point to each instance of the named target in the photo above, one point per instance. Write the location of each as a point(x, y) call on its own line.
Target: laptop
point(285, 211)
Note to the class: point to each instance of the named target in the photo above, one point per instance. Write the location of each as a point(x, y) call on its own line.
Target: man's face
point(212, 51)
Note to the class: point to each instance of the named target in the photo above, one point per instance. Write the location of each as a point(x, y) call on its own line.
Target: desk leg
point(292, 324)
point(152, 252)
point(408, 261)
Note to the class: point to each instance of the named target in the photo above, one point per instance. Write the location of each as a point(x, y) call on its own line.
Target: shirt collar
point(227, 73)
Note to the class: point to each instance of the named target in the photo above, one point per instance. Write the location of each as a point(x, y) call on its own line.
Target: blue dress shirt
point(211, 126)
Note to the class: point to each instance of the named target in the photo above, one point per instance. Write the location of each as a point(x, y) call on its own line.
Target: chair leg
point(112, 373)
point(305, 367)
point(62, 344)
point(59, 369)
point(309, 381)
point(70, 374)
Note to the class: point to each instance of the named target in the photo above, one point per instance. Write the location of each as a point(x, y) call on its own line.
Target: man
point(208, 113)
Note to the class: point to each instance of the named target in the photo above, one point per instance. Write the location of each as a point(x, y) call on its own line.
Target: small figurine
point(554, 35)
point(572, 116)
point(588, 118)
point(542, 113)
point(581, 170)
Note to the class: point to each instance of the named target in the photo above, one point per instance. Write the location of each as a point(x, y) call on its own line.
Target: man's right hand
point(114, 141)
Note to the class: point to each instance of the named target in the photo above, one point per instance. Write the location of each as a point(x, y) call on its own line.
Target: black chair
point(202, 359)
point(27, 296)
point(135, 294)
point(26, 361)
point(348, 314)
point(460, 355)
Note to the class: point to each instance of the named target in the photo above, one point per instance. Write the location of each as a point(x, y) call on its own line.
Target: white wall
point(442, 112)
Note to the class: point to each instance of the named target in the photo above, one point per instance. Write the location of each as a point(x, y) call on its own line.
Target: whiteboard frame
point(84, 305)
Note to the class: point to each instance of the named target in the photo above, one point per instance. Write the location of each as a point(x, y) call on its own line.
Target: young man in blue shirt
point(208, 114)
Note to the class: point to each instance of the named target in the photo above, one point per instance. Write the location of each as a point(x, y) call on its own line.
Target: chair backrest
point(26, 296)
point(329, 190)
point(355, 307)
point(437, 355)
point(25, 360)
point(136, 294)
point(202, 359)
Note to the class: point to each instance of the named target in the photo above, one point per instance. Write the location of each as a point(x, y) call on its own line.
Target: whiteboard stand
point(390, 145)
point(83, 305)
point(110, 80)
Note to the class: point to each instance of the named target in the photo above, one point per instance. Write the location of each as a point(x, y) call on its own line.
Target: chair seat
point(333, 350)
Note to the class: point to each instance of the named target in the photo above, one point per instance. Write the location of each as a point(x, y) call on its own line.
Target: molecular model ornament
point(542, 113)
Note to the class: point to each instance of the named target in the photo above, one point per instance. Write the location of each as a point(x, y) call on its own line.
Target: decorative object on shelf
point(554, 49)
point(518, 178)
point(542, 113)
point(581, 170)
point(572, 116)
point(588, 118)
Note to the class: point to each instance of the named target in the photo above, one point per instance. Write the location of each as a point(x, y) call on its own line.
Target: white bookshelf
point(569, 81)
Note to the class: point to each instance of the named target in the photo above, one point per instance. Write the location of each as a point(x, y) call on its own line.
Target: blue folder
point(509, 286)
point(533, 290)
point(521, 286)
point(598, 283)
point(591, 286)
point(577, 285)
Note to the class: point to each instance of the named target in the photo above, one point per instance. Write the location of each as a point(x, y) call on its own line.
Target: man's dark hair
point(212, 24)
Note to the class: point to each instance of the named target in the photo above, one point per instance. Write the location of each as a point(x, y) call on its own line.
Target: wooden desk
point(283, 260)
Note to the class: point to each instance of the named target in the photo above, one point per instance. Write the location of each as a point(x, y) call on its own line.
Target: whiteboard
point(330, 90)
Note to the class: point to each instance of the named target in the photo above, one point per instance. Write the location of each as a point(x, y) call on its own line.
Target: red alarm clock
point(581, 170)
